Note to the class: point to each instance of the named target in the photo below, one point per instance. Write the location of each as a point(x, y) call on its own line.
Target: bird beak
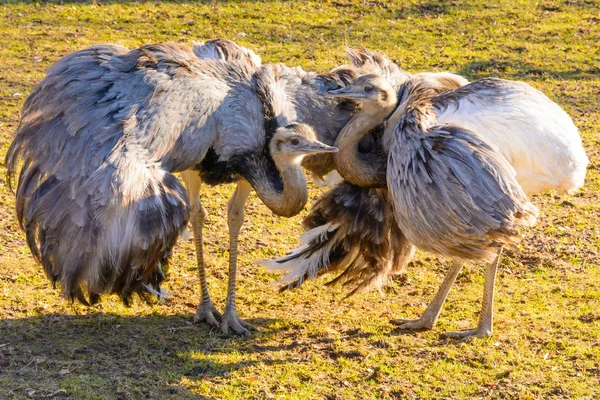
point(318, 147)
point(345, 93)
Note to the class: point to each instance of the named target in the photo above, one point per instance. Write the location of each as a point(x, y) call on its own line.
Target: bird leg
point(230, 321)
point(206, 311)
point(486, 318)
point(434, 308)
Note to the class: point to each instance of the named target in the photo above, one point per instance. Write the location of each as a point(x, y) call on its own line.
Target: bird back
point(532, 132)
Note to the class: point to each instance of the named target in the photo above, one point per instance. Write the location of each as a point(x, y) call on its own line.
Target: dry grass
point(547, 338)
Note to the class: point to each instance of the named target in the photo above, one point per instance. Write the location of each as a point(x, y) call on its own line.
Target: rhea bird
point(322, 249)
point(103, 133)
point(277, 86)
point(455, 196)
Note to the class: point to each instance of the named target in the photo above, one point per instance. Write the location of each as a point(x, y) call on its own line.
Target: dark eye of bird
point(295, 141)
point(368, 89)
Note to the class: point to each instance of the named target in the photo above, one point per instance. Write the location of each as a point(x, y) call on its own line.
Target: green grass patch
point(309, 345)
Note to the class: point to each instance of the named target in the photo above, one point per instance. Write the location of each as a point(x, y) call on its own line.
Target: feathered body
point(102, 134)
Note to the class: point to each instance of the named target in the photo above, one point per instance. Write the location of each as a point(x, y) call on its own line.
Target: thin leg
point(434, 308)
point(206, 311)
point(231, 322)
point(486, 318)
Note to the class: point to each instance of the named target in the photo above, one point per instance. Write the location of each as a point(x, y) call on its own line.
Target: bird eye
point(295, 141)
point(368, 89)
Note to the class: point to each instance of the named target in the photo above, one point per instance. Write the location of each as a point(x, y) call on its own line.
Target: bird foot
point(208, 314)
point(231, 323)
point(465, 336)
point(421, 324)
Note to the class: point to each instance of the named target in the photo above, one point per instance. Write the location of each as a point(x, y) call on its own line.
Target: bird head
point(369, 91)
point(297, 141)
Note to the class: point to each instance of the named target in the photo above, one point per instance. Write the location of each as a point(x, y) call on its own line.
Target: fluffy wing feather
point(350, 231)
point(227, 50)
point(370, 62)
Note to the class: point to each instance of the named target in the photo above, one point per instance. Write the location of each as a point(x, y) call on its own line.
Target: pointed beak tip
point(328, 149)
point(336, 92)
point(322, 148)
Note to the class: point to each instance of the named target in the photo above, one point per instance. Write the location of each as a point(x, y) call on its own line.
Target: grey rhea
point(284, 92)
point(102, 134)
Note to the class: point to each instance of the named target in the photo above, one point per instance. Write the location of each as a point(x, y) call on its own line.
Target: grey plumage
point(103, 133)
point(92, 195)
point(370, 62)
point(226, 50)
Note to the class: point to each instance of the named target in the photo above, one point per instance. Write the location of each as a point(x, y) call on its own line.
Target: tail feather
point(350, 230)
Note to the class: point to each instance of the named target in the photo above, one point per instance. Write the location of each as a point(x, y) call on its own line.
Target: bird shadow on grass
point(102, 354)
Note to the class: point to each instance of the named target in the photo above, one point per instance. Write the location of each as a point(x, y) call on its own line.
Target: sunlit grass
point(309, 345)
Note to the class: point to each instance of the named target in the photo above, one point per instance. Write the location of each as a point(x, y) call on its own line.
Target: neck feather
point(292, 199)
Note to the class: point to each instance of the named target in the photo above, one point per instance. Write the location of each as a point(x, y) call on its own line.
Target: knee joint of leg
point(202, 212)
point(199, 211)
point(235, 218)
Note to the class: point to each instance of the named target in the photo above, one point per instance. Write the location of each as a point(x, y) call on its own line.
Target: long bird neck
point(291, 199)
point(292, 95)
point(355, 168)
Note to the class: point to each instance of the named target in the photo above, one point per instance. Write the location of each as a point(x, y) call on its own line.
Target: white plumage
point(532, 132)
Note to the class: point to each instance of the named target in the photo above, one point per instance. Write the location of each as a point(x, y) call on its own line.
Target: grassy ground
point(547, 338)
